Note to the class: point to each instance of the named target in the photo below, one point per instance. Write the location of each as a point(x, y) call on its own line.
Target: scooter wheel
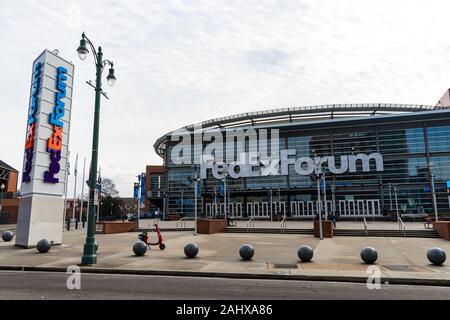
point(162, 246)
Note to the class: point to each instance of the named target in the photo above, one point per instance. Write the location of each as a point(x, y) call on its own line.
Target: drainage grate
point(285, 266)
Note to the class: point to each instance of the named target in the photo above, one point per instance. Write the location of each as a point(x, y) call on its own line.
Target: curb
point(391, 281)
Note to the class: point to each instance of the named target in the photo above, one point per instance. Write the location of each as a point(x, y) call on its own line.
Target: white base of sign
point(40, 217)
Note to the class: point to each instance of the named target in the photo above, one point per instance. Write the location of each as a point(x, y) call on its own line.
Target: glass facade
point(412, 151)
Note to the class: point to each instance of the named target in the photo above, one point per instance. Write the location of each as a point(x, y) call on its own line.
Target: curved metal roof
point(297, 114)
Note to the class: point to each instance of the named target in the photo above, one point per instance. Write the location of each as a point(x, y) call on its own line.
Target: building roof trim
point(6, 166)
point(297, 114)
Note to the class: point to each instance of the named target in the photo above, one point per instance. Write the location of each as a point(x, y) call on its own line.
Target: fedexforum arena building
point(356, 159)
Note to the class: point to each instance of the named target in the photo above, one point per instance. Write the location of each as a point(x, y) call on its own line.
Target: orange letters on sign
point(30, 137)
point(55, 142)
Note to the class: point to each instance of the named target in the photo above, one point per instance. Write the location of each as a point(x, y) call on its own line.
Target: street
point(47, 285)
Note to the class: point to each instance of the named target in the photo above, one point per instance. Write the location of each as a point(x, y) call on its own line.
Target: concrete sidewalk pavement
point(275, 257)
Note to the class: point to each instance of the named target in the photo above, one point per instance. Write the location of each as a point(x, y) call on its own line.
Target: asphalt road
point(47, 285)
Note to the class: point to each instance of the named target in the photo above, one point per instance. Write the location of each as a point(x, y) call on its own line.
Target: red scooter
point(144, 237)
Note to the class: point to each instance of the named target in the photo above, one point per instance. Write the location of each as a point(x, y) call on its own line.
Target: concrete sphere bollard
point(139, 248)
point(436, 256)
point(305, 253)
point(191, 250)
point(7, 236)
point(246, 252)
point(43, 246)
point(369, 255)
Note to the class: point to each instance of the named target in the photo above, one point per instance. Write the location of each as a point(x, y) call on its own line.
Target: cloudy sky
point(181, 62)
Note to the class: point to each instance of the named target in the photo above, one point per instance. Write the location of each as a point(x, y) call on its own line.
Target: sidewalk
point(275, 256)
point(5, 227)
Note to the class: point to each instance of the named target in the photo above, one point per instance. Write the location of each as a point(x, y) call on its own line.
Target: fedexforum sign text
point(250, 165)
point(240, 153)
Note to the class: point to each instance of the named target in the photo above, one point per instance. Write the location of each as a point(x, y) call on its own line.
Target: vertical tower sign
point(46, 150)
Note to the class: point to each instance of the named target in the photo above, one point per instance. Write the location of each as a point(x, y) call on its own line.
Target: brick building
point(9, 201)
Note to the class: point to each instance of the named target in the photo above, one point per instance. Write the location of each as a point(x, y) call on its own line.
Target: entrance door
point(230, 210)
point(250, 209)
point(264, 209)
point(238, 207)
point(208, 210)
point(351, 207)
point(256, 209)
point(373, 207)
point(301, 208)
point(310, 208)
point(282, 208)
point(294, 208)
point(361, 208)
point(342, 208)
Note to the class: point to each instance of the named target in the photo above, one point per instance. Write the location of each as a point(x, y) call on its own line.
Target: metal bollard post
point(76, 224)
point(83, 224)
point(68, 225)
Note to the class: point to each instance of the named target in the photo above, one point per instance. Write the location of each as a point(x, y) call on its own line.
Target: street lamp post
point(390, 196)
point(75, 188)
point(89, 252)
point(2, 188)
point(196, 180)
point(82, 190)
point(164, 205)
point(139, 199)
point(396, 202)
point(333, 201)
point(433, 192)
point(271, 203)
point(325, 196)
point(318, 172)
point(195, 205)
point(224, 180)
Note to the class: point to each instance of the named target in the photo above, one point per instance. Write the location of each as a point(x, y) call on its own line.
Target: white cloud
point(181, 62)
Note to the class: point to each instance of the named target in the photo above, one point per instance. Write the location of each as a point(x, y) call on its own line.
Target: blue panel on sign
point(426, 189)
point(135, 190)
point(448, 184)
point(143, 186)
